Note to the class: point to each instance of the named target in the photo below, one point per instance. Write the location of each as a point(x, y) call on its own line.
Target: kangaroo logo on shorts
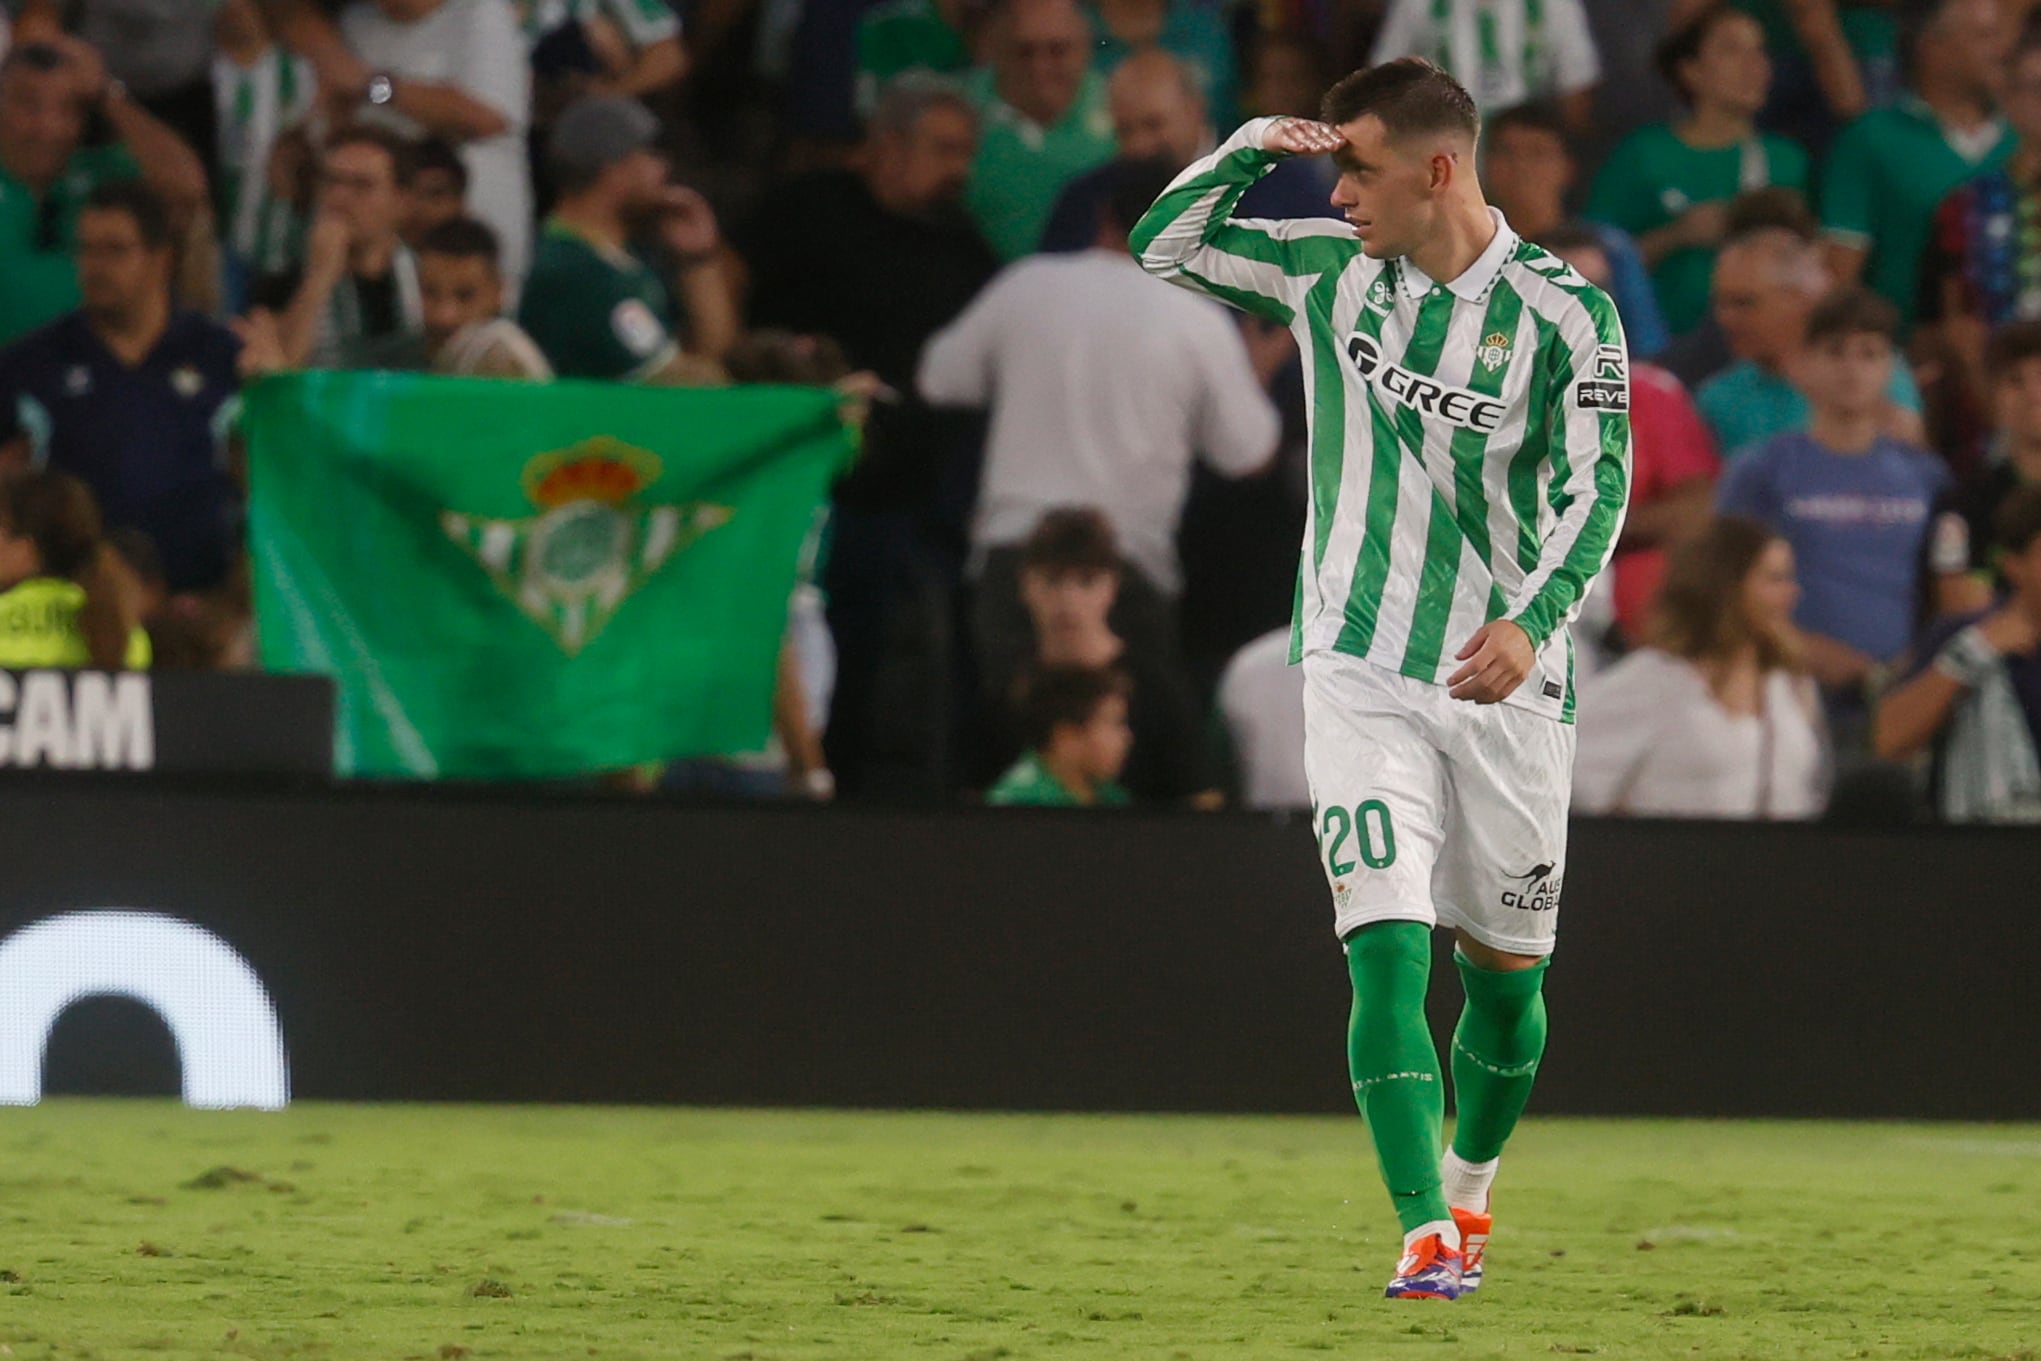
point(1540, 891)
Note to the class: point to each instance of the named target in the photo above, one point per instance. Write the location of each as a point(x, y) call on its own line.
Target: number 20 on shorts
point(1367, 826)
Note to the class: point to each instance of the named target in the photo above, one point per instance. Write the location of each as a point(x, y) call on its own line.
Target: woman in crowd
point(1716, 717)
point(66, 598)
point(1670, 184)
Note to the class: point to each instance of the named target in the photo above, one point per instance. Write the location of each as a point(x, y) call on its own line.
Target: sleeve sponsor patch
point(1607, 386)
point(637, 330)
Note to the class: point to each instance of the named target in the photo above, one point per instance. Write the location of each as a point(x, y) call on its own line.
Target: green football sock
point(1395, 1065)
point(1496, 1049)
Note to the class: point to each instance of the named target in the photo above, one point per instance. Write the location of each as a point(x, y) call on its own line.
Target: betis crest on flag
point(532, 580)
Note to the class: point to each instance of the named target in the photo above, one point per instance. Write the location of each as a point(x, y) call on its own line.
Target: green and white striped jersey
point(1470, 441)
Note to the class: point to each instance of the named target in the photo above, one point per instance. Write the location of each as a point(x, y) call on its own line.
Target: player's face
point(1107, 739)
point(117, 271)
point(1848, 374)
point(1387, 193)
point(1772, 589)
point(1068, 601)
point(2018, 399)
point(453, 291)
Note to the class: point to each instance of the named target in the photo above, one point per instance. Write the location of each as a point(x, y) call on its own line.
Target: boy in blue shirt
point(1854, 503)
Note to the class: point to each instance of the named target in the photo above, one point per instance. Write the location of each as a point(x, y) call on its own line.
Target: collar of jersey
point(1474, 281)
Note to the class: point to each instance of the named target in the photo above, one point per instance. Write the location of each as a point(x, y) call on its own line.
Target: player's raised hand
point(1301, 137)
point(1495, 662)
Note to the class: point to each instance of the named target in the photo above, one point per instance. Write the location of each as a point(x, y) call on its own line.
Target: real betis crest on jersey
point(572, 565)
point(1494, 351)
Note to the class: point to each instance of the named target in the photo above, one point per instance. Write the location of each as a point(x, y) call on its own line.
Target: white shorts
point(1433, 809)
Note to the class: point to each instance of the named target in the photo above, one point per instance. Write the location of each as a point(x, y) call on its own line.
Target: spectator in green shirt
point(1046, 120)
point(47, 89)
point(1891, 169)
point(1670, 184)
point(911, 35)
point(1078, 730)
point(1832, 59)
point(595, 307)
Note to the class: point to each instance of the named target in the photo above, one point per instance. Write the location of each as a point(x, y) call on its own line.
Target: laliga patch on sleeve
point(637, 330)
point(1608, 387)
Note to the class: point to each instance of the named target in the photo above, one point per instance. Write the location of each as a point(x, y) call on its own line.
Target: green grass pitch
point(141, 1230)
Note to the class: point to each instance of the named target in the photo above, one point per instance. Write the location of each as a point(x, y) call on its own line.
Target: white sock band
point(1466, 1184)
point(1444, 1228)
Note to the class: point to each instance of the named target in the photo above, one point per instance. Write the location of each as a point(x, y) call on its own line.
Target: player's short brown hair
point(2010, 346)
point(1071, 539)
point(1411, 96)
point(1851, 311)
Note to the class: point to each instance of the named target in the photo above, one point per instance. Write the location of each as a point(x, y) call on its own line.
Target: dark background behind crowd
point(1061, 571)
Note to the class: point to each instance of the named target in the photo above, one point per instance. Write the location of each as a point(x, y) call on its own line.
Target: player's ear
point(1444, 165)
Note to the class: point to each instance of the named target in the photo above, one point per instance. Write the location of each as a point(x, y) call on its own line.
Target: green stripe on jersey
point(1468, 518)
point(1371, 573)
point(1549, 381)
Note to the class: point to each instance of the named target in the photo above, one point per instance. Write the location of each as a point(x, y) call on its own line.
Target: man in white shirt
point(457, 69)
point(1103, 388)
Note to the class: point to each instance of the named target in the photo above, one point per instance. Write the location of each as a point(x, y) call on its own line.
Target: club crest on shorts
point(1494, 351)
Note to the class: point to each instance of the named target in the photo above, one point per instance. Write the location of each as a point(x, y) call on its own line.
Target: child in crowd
point(1854, 503)
point(1078, 739)
point(66, 599)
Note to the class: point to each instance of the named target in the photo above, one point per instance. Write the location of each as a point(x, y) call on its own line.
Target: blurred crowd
point(1062, 568)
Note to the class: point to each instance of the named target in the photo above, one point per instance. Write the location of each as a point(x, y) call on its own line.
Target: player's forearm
point(1573, 556)
point(1199, 199)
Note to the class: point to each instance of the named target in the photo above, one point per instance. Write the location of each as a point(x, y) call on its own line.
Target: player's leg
point(1377, 785)
point(1509, 774)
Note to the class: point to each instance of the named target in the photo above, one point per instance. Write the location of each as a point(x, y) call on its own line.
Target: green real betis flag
point(532, 579)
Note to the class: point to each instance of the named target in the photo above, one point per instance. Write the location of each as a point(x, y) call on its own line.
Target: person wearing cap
point(595, 307)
